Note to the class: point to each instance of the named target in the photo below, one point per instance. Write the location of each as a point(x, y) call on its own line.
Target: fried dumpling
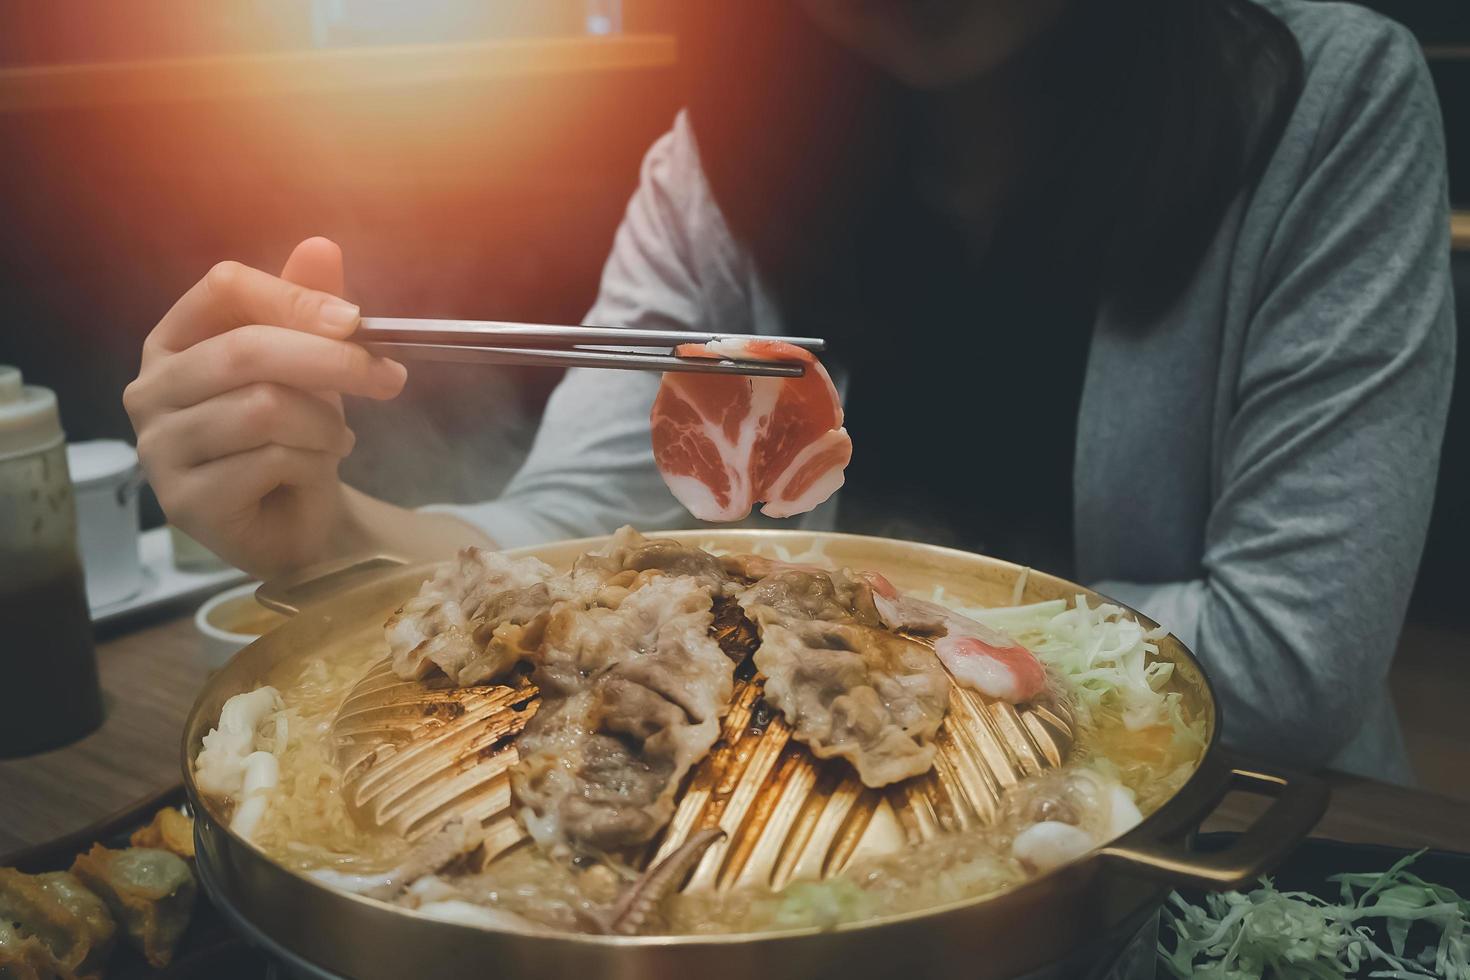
point(150, 893)
point(170, 830)
point(58, 912)
point(24, 957)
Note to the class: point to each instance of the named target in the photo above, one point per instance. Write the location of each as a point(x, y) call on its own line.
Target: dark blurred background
point(472, 159)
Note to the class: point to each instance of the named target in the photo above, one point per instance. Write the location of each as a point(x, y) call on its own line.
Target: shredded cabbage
point(1268, 933)
point(1132, 728)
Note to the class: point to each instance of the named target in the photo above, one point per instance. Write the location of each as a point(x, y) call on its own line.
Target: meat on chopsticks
point(726, 442)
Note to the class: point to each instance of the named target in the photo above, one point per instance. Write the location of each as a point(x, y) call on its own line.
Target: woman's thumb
point(316, 264)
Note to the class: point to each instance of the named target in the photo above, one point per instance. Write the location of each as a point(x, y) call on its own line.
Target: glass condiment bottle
point(49, 695)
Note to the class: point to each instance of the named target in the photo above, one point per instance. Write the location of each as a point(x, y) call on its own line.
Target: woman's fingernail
point(395, 370)
point(340, 315)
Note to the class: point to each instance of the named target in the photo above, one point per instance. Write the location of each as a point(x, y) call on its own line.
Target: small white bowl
point(231, 621)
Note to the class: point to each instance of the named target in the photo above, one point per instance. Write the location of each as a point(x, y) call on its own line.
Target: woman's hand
point(238, 411)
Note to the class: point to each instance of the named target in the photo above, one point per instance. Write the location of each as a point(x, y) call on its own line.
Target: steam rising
point(457, 434)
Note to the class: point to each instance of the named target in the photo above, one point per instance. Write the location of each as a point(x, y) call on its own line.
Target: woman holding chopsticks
point(1152, 293)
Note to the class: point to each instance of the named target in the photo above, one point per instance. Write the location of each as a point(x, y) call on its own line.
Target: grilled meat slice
point(475, 619)
point(631, 699)
point(846, 686)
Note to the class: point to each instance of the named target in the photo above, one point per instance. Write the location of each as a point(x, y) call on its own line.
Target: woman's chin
point(935, 44)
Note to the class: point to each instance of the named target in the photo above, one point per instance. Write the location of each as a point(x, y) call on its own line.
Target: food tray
point(209, 950)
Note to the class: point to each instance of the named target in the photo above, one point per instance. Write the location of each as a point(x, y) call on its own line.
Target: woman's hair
point(1166, 109)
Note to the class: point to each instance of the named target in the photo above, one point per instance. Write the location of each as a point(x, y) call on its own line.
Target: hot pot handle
point(288, 594)
point(1297, 803)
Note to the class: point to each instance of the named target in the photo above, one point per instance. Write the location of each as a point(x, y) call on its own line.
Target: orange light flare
point(462, 178)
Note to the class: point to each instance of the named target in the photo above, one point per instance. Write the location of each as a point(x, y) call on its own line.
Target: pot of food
point(722, 753)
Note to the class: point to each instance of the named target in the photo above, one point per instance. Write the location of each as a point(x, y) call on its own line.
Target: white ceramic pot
point(105, 478)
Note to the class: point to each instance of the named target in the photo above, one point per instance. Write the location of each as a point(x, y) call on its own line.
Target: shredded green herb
point(1267, 933)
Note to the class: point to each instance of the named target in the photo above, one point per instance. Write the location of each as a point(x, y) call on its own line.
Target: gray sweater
point(1254, 470)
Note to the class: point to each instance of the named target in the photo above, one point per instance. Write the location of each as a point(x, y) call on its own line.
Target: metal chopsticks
point(494, 342)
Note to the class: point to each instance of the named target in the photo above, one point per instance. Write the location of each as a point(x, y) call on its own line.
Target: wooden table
point(151, 674)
